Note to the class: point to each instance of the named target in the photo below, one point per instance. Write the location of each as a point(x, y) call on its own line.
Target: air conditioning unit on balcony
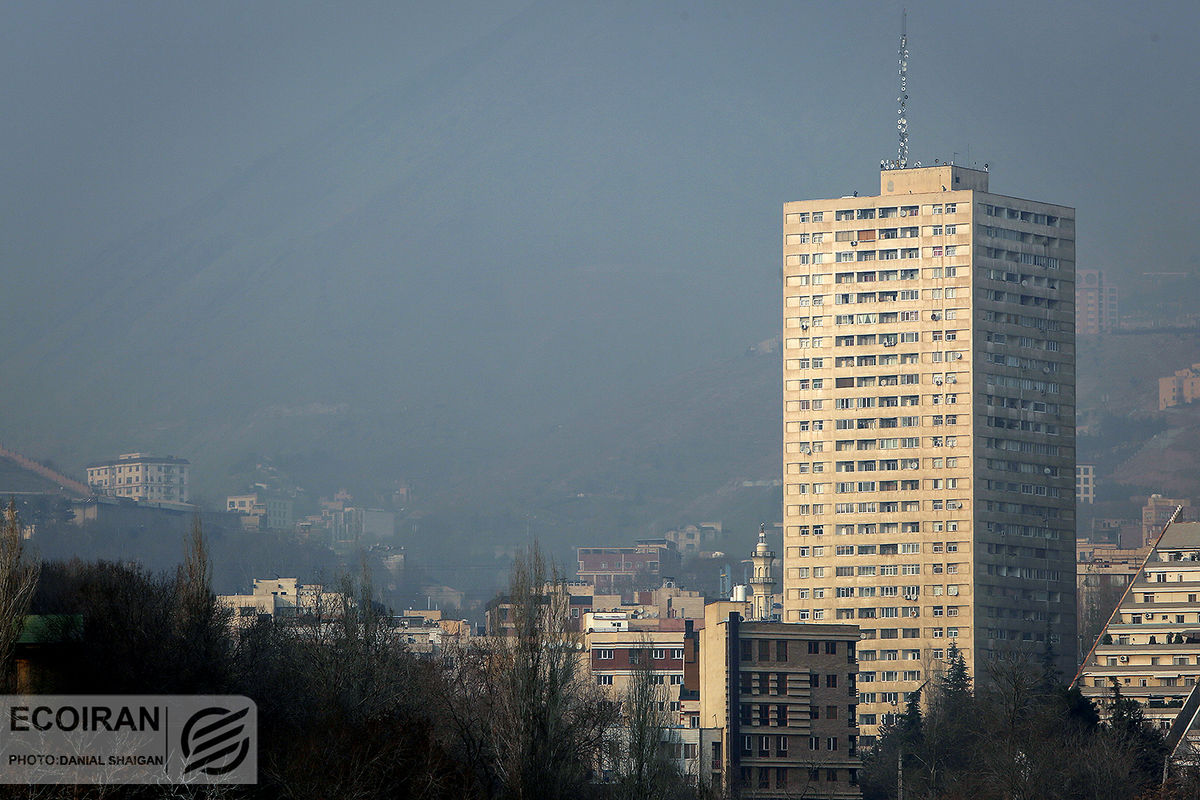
point(1124, 659)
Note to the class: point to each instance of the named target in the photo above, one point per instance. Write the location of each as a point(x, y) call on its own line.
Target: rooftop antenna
point(902, 100)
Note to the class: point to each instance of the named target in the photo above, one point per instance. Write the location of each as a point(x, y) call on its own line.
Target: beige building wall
point(1180, 388)
point(929, 406)
point(282, 598)
point(1085, 483)
point(615, 657)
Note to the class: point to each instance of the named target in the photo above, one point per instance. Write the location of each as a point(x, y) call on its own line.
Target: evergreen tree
point(1128, 723)
point(955, 682)
point(1051, 677)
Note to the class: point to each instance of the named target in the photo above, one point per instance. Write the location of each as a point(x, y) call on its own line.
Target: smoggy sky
point(651, 141)
point(119, 112)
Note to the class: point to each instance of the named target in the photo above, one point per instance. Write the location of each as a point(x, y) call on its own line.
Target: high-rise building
point(929, 408)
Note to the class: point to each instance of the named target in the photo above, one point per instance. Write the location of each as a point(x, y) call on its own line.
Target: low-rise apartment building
point(784, 696)
point(616, 568)
point(140, 476)
point(1150, 647)
point(260, 510)
point(1180, 388)
point(282, 599)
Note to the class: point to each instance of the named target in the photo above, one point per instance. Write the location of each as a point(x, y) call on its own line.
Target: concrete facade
point(929, 407)
point(615, 656)
point(283, 599)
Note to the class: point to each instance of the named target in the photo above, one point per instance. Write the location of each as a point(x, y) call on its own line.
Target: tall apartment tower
point(929, 411)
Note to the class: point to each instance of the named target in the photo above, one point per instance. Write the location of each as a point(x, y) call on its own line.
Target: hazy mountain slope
point(431, 278)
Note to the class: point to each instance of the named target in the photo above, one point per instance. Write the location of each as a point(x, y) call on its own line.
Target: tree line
point(345, 708)
point(1019, 733)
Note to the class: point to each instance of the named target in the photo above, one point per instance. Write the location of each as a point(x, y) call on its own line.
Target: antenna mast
point(902, 111)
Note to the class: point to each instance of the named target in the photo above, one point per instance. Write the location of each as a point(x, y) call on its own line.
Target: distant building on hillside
point(616, 568)
point(692, 538)
point(1180, 388)
point(261, 510)
point(282, 599)
point(350, 526)
point(140, 476)
point(1096, 309)
point(1085, 483)
point(1157, 513)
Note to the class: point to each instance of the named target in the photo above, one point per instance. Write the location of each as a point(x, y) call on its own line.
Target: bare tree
point(202, 622)
point(18, 580)
point(645, 771)
point(546, 719)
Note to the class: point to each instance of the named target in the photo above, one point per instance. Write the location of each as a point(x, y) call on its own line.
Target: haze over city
point(440, 346)
point(510, 254)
